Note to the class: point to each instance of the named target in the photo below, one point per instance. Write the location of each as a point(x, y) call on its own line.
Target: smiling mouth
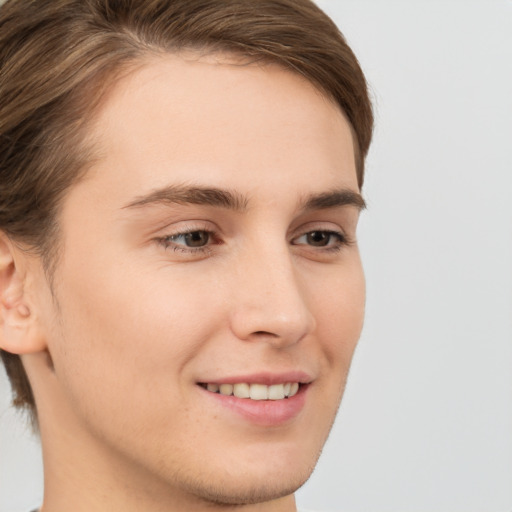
point(255, 391)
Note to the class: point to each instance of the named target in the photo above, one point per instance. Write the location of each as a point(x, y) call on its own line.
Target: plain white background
point(426, 422)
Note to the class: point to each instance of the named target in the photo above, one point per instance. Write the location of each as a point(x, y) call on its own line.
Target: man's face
point(211, 246)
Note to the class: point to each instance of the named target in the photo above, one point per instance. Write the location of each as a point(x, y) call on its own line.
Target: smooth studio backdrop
point(426, 422)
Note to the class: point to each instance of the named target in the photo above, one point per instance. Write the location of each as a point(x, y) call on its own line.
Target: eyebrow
point(332, 199)
point(181, 194)
point(232, 200)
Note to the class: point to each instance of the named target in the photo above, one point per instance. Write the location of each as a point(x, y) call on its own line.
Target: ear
point(19, 329)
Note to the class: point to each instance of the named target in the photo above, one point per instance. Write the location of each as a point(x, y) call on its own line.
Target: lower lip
point(265, 413)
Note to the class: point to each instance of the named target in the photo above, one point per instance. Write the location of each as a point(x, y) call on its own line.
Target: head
point(92, 95)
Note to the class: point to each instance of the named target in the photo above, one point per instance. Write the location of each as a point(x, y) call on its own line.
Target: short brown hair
point(57, 57)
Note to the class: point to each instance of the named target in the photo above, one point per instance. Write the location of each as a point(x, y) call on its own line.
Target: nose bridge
point(270, 302)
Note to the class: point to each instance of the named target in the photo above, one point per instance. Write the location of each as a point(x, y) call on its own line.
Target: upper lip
point(267, 378)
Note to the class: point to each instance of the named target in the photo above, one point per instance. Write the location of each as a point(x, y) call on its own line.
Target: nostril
point(279, 322)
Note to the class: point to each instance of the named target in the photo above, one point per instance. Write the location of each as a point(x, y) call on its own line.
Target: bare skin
point(212, 242)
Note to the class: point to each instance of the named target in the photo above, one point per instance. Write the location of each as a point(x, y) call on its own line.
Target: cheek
point(340, 315)
point(133, 332)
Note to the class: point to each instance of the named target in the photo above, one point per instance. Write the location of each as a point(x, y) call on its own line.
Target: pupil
point(197, 238)
point(318, 238)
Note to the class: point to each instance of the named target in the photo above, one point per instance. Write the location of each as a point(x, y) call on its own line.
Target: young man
point(180, 286)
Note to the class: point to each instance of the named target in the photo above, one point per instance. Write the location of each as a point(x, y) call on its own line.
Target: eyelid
point(308, 227)
point(183, 227)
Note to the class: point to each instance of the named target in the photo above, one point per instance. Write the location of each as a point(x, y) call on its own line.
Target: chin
point(239, 491)
point(243, 481)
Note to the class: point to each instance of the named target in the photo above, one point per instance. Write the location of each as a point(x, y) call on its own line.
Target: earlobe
point(19, 333)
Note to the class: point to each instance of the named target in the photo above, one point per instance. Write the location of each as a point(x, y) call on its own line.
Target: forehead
point(220, 120)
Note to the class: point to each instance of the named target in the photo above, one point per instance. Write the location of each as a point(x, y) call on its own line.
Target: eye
point(192, 239)
point(321, 238)
point(197, 240)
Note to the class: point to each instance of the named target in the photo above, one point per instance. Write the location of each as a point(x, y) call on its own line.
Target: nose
point(271, 303)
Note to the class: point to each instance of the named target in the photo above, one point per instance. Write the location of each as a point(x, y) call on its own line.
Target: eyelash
point(168, 242)
point(341, 240)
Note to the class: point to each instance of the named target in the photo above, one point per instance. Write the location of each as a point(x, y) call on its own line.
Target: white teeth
point(241, 390)
point(226, 389)
point(256, 391)
point(259, 392)
point(276, 392)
